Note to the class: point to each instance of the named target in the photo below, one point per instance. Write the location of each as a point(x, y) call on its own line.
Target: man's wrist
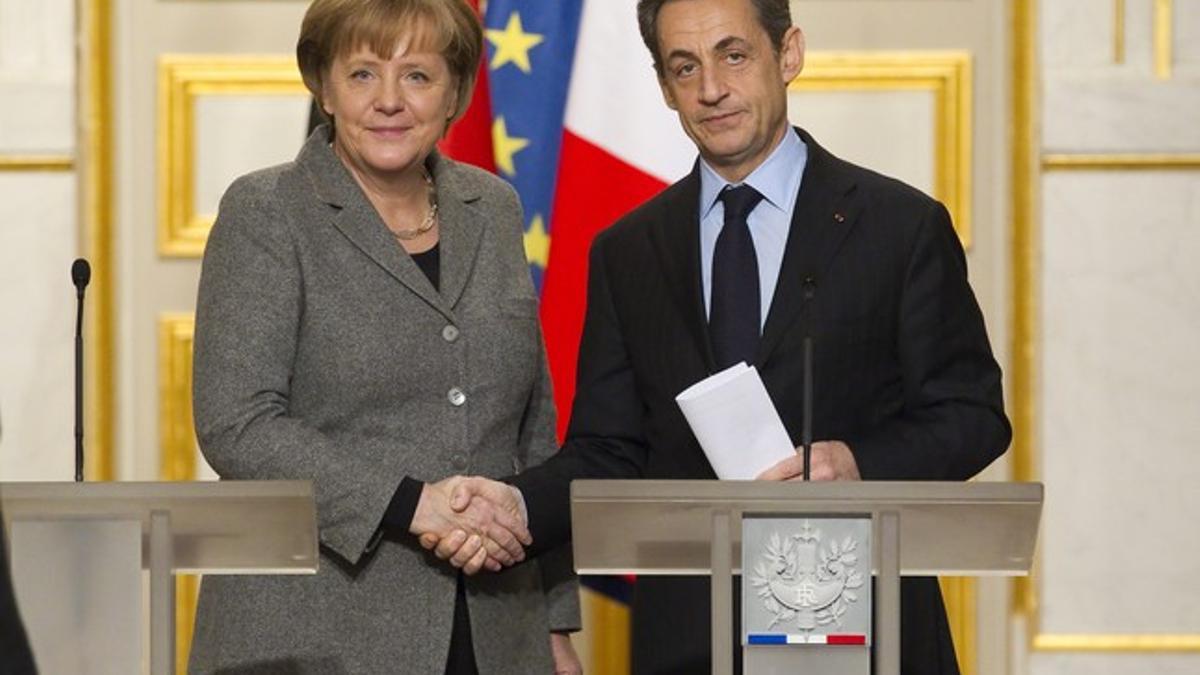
point(522, 510)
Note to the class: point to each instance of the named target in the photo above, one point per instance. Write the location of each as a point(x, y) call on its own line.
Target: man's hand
point(831, 460)
point(480, 532)
point(566, 661)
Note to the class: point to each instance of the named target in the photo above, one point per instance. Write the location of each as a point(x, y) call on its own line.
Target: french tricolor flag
point(621, 146)
point(569, 111)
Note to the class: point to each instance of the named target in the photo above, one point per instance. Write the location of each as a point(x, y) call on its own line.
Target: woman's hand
point(482, 533)
point(566, 661)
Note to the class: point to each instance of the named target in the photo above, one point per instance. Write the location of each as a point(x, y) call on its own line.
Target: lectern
point(695, 528)
point(78, 550)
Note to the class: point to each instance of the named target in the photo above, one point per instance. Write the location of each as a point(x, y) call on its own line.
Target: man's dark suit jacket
point(903, 372)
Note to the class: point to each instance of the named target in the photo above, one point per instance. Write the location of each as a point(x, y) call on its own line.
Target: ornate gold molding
point(1025, 270)
point(947, 75)
point(1164, 36)
point(181, 79)
point(37, 163)
point(96, 217)
point(1063, 642)
point(959, 596)
point(178, 451)
point(1118, 31)
point(1121, 162)
point(176, 431)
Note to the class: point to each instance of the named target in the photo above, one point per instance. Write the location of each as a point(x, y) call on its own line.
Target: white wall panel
point(1186, 42)
point(239, 134)
point(37, 77)
point(1119, 371)
point(1077, 33)
point(892, 132)
point(1121, 390)
point(1095, 112)
point(1095, 103)
point(37, 323)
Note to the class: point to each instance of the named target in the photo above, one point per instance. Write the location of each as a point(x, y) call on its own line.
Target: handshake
point(473, 523)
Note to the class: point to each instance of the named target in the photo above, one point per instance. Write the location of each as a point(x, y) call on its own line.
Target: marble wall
point(1119, 305)
point(38, 239)
point(37, 77)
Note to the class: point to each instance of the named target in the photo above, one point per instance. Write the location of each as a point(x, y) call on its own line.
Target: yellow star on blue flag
point(537, 243)
point(512, 44)
point(506, 147)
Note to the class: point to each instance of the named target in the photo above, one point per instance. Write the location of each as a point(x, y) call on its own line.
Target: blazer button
point(456, 397)
point(459, 462)
point(450, 333)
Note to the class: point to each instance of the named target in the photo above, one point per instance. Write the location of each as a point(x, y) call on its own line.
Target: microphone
point(806, 432)
point(81, 274)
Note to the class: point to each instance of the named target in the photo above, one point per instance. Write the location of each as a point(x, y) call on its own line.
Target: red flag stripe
point(470, 138)
point(594, 189)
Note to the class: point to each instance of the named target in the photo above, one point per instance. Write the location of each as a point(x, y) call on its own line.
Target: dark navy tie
point(734, 314)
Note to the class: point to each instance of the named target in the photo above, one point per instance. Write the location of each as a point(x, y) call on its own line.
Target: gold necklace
point(430, 215)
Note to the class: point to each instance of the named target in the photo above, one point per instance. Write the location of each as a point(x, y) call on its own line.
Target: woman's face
point(388, 113)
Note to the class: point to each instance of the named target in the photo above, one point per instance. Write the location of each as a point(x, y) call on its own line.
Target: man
point(769, 239)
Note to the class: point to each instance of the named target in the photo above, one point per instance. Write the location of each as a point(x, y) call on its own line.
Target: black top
point(402, 508)
point(430, 263)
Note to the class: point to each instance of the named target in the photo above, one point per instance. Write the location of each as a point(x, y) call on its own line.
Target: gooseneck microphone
point(81, 274)
point(806, 432)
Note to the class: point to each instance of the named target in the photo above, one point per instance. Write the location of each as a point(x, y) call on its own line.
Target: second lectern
point(806, 552)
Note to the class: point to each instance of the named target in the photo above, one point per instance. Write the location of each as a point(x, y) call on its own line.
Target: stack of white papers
point(737, 425)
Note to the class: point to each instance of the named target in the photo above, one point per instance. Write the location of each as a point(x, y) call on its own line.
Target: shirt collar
point(776, 179)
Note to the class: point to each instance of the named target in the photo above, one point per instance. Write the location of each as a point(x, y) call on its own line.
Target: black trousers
point(461, 660)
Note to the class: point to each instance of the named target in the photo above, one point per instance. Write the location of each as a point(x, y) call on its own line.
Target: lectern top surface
point(664, 527)
point(228, 527)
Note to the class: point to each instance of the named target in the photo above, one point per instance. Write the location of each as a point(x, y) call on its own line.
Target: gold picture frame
point(181, 80)
point(178, 451)
point(947, 75)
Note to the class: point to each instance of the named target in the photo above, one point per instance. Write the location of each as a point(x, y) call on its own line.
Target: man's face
point(724, 78)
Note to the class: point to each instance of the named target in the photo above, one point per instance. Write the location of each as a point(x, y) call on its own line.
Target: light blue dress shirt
point(778, 181)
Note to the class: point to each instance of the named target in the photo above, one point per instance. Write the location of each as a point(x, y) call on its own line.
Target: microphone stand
point(806, 432)
point(81, 274)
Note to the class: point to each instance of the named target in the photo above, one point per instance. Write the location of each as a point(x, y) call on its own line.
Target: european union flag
point(531, 48)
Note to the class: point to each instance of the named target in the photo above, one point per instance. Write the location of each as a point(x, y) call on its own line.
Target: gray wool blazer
point(322, 352)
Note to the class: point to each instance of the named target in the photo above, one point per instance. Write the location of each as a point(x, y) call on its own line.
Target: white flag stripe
point(615, 102)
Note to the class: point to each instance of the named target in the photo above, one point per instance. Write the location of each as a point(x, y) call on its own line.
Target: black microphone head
point(81, 273)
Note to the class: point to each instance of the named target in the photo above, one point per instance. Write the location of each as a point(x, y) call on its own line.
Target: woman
point(366, 320)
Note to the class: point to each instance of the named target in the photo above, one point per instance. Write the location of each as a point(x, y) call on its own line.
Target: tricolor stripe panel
point(786, 639)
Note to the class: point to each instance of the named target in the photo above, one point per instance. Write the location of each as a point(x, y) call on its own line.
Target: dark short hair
point(775, 16)
point(333, 28)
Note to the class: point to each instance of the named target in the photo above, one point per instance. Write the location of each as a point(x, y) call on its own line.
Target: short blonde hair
point(333, 28)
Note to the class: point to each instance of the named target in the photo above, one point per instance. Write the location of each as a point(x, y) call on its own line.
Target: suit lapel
point(825, 213)
point(461, 229)
point(676, 236)
point(359, 222)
